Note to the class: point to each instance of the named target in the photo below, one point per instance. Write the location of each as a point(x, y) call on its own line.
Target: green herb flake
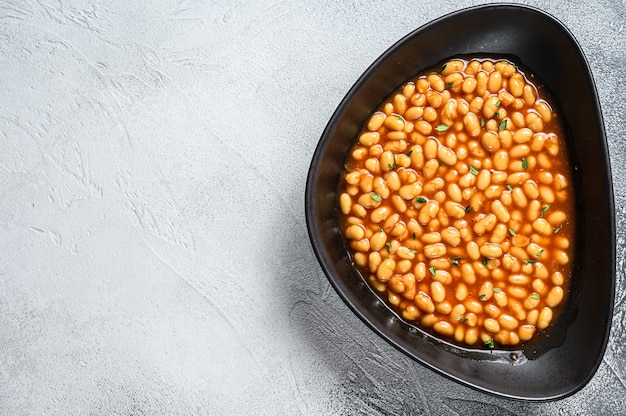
point(469, 209)
point(443, 165)
point(512, 231)
point(502, 126)
point(485, 261)
point(489, 343)
point(498, 103)
point(510, 188)
point(380, 229)
point(535, 296)
point(432, 270)
point(540, 252)
point(463, 319)
point(410, 152)
point(412, 251)
point(482, 296)
point(544, 209)
point(496, 114)
point(497, 290)
point(482, 122)
point(421, 199)
point(346, 167)
point(414, 236)
point(455, 261)
point(442, 127)
point(376, 197)
point(530, 261)
point(443, 68)
point(524, 163)
point(557, 229)
point(473, 170)
point(449, 84)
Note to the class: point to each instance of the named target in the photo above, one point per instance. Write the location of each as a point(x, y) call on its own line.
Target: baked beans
point(457, 203)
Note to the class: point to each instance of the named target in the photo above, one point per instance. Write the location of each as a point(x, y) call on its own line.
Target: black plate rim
point(317, 242)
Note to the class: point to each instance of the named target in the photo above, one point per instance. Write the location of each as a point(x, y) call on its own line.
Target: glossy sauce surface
point(457, 203)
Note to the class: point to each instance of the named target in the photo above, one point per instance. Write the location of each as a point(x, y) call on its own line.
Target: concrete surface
point(155, 259)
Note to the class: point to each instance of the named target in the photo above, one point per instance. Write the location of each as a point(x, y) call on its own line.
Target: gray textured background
point(154, 251)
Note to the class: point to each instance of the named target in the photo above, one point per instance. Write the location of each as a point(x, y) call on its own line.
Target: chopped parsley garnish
point(498, 103)
point(376, 197)
point(449, 84)
point(482, 122)
point(442, 127)
point(443, 68)
point(432, 270)
point(540, 252)
point(463, 319)
point(469, 209)
point(544, 209)
point(409, 153)
point(512, 231)
point(421, 199)
point(509, 187)
point(535, 296)
point(530, 261)
point(502, 126)
point(524, 163)
point(473, 170)
point(455, 261)
point(485, 261)
point(557, 229)
point(482, 296)
point(497, 290)
point(489, 343)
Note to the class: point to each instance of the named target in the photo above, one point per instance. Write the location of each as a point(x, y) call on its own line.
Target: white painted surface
point(154, 251)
